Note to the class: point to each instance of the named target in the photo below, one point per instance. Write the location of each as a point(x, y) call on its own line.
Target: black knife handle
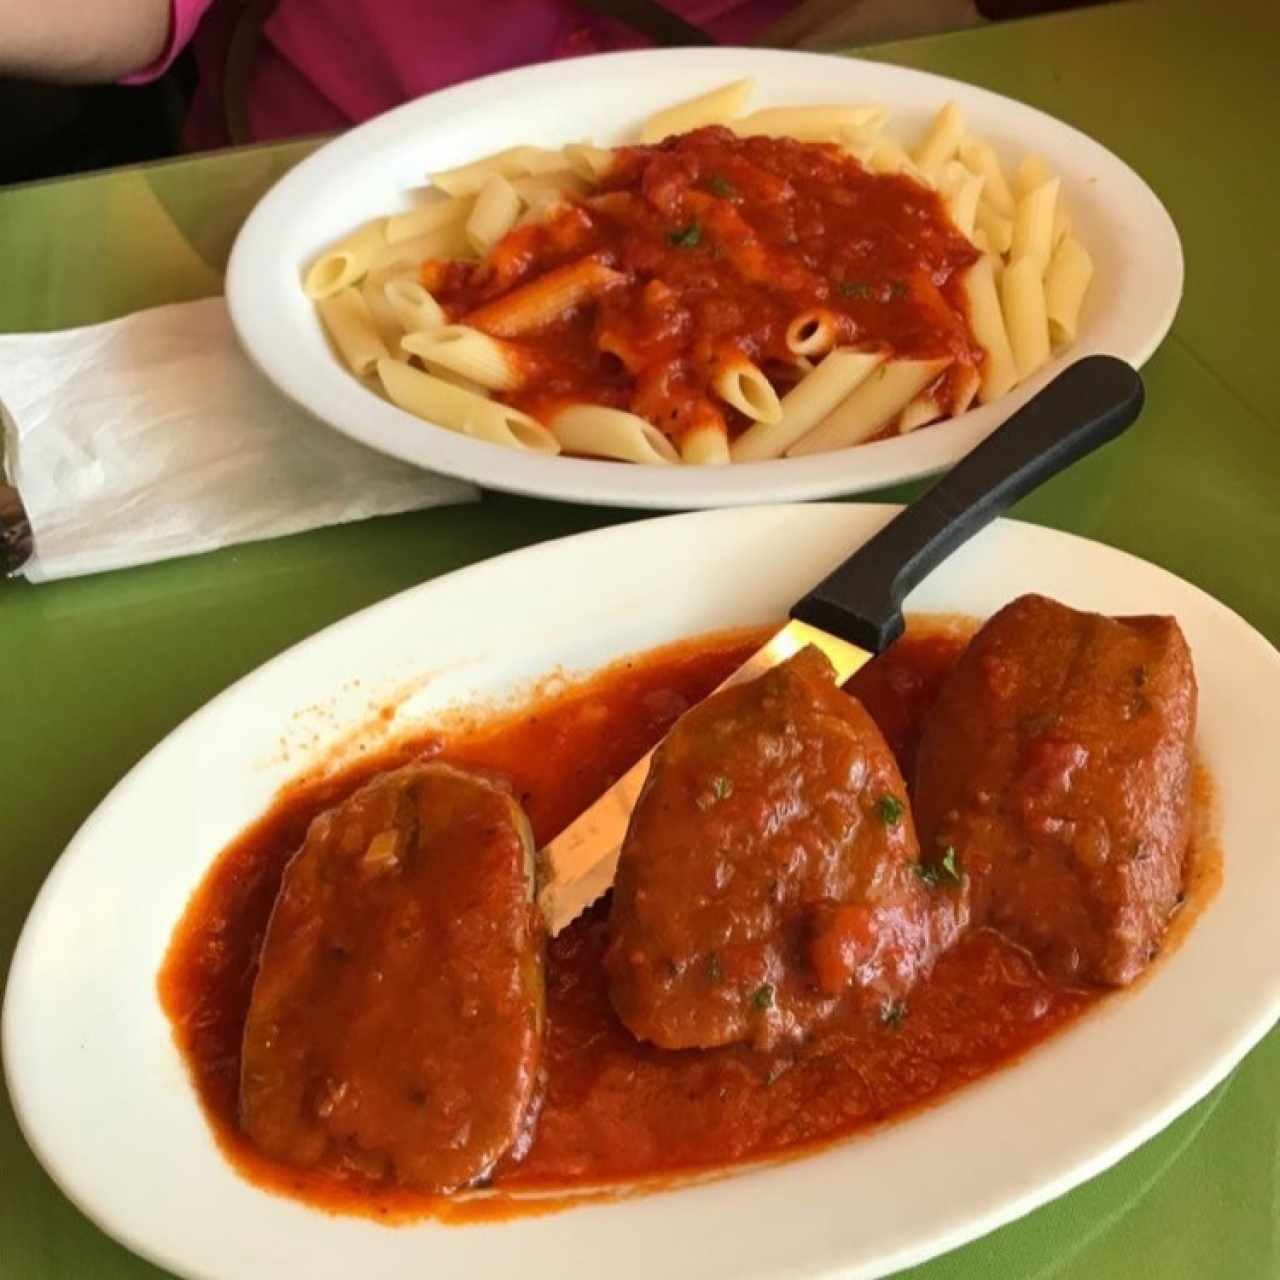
point(1086, 405)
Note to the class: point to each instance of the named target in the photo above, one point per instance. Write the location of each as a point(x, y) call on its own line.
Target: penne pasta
point(384, 316)
point(980, 157)
point(889, 157)
point(435, 400)
point(811, 333)
point(612, 433)
point(562, 182)
point(414, 308)
point(1030, 174)
point(514, 162)
point(740, 384)
point(705, 446)
point(923, 410)
point(443, 242)
point(941, 142)
point(427, 218)
point(1061, 224)
point(350, 324)
point(541, 206)
point(588, 162)
point(963, 204)
point(806, 404)
point(495, 212)
point(547, 298)
point(716, 107)
point(1065, 283)
point(873, 403)
point(1033, 225)
point(967, 381)
point(1022, 301)
point(999, 372)
point(997, 228)
point(811, 124)
point(490, 362)
point(346, 261)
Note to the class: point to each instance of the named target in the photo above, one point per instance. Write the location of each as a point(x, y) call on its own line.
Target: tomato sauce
point(614, 1108)
point(721, 242)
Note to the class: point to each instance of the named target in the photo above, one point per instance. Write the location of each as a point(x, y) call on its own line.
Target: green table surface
point(94, 672)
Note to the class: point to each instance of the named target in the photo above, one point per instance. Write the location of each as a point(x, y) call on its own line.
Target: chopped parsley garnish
point(892, 1013)
point(722, 787)
point(889, 809)
point(855, 289)
point(713, 967)
point(898, 289)
point(762, 997)
point(721, 186)
point(689, 237)
point(933, 873)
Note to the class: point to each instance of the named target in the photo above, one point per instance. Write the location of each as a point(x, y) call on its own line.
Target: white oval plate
point(104, 1099)
point(372, 169)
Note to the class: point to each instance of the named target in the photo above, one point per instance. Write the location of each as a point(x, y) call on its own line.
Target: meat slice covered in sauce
point(396, 1023)
point(1057, 765)
point(770, 870)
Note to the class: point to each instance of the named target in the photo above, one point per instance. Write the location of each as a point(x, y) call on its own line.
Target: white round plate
point(374, 169)
point(105, 1102)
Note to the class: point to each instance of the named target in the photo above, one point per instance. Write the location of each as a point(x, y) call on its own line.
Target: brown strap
point(650, 19)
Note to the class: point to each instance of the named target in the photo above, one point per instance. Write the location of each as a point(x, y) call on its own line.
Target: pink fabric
point(326, 64)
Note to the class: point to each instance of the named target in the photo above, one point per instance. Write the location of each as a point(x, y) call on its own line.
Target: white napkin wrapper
point(154, 436)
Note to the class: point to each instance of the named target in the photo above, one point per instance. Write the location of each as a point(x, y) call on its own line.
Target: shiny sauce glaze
point(721, 242)
point(615, 1108)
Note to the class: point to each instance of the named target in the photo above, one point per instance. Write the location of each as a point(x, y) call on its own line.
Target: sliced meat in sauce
point(397, 1017)
point(770, 870)
point(1057, 764)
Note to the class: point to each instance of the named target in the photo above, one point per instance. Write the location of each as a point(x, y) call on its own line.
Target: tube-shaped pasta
point(962, 205)
point(889, 157)
point(384, 317)
point(875, 402)
point(1033, 224)
point(740, 384)
point(1031, 173)
point(1065, 283)
point(563, 182)
point(546, 298)
point(496, 209)
point(1022, 301)
point(541, 206)
point(467, 179)
point(492, 363)
point(444, 242)
point(1061, 223)
point(941, 142)
point(612, 433)
point(415, 309)
point(981, 158)
point(350, 324)
point(588, 162)
point(997, 228)
point(427, 218)
point(923, 410)
point(966, 382)
point(806, 404)
point(346, 261)
point(811, 333)
point(435, 400)
point(705, 446)
point(716, 107)
point(999, 372)
point(810, 124)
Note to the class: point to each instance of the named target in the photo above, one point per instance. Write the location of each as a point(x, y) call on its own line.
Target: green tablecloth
point(94, 672)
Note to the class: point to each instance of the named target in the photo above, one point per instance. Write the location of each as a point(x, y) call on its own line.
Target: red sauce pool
point(615, 1108)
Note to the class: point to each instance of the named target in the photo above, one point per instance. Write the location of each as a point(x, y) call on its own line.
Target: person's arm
point(81, 41)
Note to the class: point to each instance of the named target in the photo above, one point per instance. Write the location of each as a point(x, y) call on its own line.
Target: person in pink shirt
point(315, 66)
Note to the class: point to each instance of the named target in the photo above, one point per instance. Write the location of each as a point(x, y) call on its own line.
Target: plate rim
point(605, 483)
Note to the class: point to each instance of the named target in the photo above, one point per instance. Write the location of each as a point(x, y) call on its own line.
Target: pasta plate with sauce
point(811, 255)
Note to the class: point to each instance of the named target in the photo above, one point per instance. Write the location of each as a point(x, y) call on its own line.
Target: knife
point(856, 611)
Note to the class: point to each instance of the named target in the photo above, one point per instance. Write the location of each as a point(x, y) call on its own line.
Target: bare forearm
point(80, 41)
